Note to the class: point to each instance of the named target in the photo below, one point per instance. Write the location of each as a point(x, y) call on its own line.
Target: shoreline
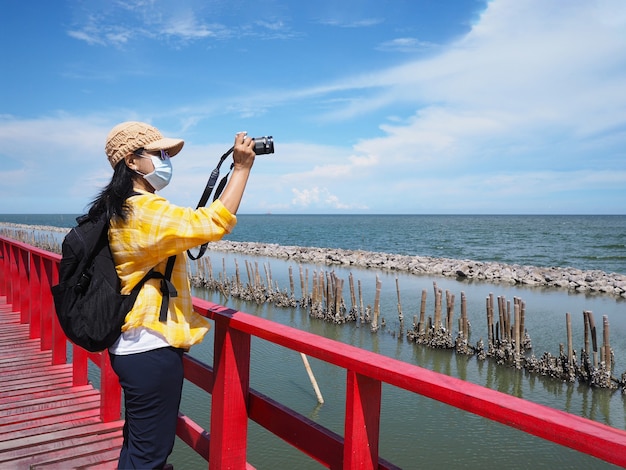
point(570, 279)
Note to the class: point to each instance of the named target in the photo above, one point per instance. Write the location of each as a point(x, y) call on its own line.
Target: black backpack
point(87, 299)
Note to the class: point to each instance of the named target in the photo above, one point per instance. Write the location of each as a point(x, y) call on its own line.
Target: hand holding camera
point(244, 151)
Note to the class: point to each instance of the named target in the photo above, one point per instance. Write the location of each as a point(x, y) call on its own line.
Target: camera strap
point(207, 193)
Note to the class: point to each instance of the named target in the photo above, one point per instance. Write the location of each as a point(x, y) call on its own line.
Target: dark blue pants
point(152, 382)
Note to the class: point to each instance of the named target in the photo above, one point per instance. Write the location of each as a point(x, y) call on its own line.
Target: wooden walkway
point(45, 422)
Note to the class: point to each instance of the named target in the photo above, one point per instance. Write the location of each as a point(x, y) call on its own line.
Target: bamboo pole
point(570, 342)
point(501, 316)
point(489, 307)
point(361, 306)
point(464, 324)
point(302, 289)
point(522, 326)
point(449, 311)
point(352, 293)
point(518, 339)
point(607, 344)
point(250, 283)
point(400, 315)
point(268, 276)
point(309, 371)
point(376, 304)
point(338, 298)
point(422, 323)
point(594, 338)
point(257, 275)
point(237, 276)
point(437, 309)
point(509, 327)
point(314, 290)
point(586, 323)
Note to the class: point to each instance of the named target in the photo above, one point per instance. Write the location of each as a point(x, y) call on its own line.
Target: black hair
point(112, 199)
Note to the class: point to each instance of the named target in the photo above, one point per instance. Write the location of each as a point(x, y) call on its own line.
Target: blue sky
point(399, 106)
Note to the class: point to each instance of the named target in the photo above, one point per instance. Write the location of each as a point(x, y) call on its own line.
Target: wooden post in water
point(594, 338)
point(338, 298)
point(502, 317)
point(352, 294)
point(522, 324)
point(607, 344)
point(257, 275)
point(237, 276)
point(309, 371)
point(249, 274)
point(437, 308)
point(376, 304)
point(450, 312)
point(314, 290)
point(509, 327)
point(361, 306)
point(422, 323)
point(570, 341)
point(586, 323)
point(516, 327)
point(490, 325)
point(400, 315)
point(464, 324)
point(268, 276)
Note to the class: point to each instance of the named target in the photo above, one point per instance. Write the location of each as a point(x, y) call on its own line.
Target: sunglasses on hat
point(163, 154)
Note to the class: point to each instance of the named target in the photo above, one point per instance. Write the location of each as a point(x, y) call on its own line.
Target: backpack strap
point(167, 287)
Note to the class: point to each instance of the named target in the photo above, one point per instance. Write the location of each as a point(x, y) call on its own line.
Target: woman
point(145, 230)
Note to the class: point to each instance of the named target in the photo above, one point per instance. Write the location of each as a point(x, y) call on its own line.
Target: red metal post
point(229, 414)
point(4, 267)
point(79, 366)
point(14, 279)
point(23, 269)
point(45, 281)
point(110, 391)
point(35, 296)
point(363, 396)
point(59, 341)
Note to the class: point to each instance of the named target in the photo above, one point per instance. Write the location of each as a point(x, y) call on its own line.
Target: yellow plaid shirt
point(154, 230)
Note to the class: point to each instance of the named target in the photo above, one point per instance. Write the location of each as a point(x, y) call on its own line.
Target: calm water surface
point(417, 432)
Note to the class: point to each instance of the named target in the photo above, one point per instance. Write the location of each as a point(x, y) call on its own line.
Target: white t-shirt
point(138, 340)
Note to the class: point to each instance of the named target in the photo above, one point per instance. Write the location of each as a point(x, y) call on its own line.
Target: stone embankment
point(590, 281)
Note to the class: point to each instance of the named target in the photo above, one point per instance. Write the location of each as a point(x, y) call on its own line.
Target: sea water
point(417, 432)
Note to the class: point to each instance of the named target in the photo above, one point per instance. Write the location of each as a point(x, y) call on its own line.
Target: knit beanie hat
point(127, 137)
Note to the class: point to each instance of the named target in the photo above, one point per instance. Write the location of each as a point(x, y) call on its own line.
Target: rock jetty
point(589, 281)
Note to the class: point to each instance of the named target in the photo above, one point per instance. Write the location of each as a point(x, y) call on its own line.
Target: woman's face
point(144, 162)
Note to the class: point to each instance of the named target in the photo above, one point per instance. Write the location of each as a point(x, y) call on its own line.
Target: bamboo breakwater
point(508, 340)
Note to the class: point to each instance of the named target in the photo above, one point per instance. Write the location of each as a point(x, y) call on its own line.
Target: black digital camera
point(263, 145)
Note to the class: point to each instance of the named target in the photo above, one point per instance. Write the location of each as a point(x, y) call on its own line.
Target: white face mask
point(162, 174)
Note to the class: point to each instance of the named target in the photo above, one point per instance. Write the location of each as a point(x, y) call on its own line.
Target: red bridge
point(51, 417)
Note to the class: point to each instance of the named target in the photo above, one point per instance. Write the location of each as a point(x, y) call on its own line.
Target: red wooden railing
point(27, 273)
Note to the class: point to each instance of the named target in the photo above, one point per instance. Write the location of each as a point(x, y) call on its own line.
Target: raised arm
point(243, 156)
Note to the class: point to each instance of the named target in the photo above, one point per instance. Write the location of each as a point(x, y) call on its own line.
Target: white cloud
point(321, 199)
point(525, 112)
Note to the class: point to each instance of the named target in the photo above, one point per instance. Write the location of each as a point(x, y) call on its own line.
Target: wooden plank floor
point(45, 423)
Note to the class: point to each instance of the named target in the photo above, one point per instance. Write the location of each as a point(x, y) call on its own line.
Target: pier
point(35, 351)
